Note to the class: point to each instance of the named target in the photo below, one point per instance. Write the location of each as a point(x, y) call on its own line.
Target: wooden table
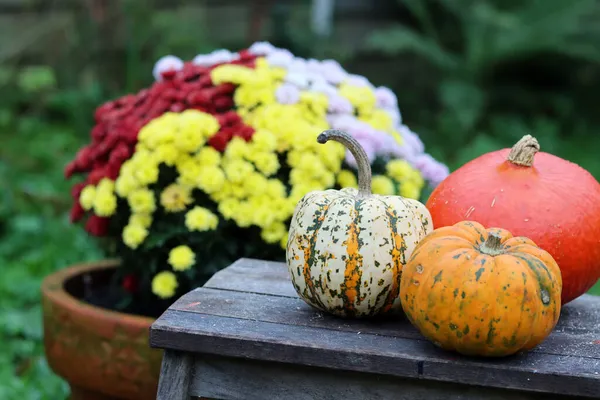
point(247, 335)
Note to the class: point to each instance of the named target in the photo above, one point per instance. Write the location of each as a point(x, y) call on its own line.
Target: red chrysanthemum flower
point(118, 122)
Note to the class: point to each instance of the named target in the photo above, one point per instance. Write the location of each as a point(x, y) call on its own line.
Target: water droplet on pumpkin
point(419, 269)
point(545, 297)
point(416, 283)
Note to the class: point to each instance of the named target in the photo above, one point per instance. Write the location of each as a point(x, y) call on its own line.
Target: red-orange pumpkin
point(534, 194)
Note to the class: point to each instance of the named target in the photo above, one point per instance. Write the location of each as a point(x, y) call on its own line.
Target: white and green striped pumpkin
point(347, 247)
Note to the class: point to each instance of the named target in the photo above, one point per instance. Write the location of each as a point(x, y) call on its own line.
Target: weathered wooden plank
point(229, 378)
point(579, 318)
point(295, 312)
point(176, 375)
point(287, 311)
point(371, 353)
point(254, 276)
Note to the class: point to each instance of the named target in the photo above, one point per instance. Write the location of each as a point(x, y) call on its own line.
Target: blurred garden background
point(471, 76)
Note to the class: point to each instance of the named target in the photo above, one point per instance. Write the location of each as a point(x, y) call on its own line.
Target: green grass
point(36, 238)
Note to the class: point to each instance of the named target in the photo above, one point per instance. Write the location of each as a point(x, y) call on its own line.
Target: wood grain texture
point(568, 339)
point(371, 353)
point(251, 310)
point(254, 276)
point(176, 375)
point(237, 379)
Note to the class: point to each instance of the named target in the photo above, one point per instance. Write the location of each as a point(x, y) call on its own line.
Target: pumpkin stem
point(523, 151)
point(362, 160)
point(492, 246)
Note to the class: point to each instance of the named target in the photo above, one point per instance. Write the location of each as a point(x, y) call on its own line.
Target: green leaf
point(36, 78)
point(162, 234)
point(464, 100)
point(399, 39)
point(480, 145)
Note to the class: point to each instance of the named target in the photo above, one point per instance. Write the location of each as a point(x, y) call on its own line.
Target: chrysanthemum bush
point(207, 164)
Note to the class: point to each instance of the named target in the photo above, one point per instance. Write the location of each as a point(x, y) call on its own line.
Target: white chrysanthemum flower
point(313, 65)
point(385, 97)
point(297, 78)
point(358, 80)
point(216, 57)
point(338, 104)
point(395, 114)
point(224, 56)
point(297, 65)
point(322, 86)
point(203, 60)
point(166, 63)
point(333, 72)
point(411, 139)
point(280, 58)
point(261, 48)
point(286, 93)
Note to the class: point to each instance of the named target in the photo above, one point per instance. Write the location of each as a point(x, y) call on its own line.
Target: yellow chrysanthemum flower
point(189, 139)
point(207, 156)
point(144, 220)
point(284, 240)
point(146, 172)
point(181, 258)
point(347, 179)
point(315, 104)
point(237, 148)
point(105, 203)
point(201, 219)
point(267, 163)
point(275, 188)
point(189, 170)
point(361, 97)
point(379, 119)
point(237, 170)
point(255, 183)
point(327, 179)
point(274, 233)
point(164, 284)
point(210, 179)
point(142, 201)
point(264, 140)
point(229, 73)
point(159, 131)
point(87, 197)
point(243, 217)
point(382, 185)
point(166, 153)
point(106, 185)
point(229, 207)
point(293, 158)
point(175, 197)
point(410, 190)
point(197, 121)
point(125, 184)
point(134, 235)
point(263, 212)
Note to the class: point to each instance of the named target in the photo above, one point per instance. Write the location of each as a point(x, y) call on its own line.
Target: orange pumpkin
point(481, 292)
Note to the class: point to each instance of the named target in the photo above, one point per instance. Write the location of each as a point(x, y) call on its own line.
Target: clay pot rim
point(53, 290)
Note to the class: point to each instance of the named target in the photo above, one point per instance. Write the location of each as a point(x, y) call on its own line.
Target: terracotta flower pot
point(102, 354)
